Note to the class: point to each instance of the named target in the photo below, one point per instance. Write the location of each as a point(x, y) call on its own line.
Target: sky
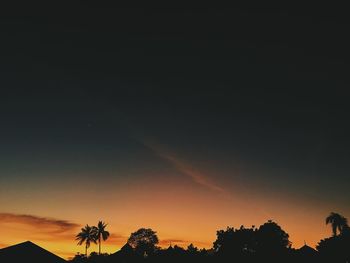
point(183, 120)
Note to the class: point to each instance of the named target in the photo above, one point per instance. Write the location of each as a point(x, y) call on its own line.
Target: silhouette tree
point(271, 239)
point(101, 234)
point(338, 223)
point(144, 241)
point(335, 249)
point(98, 258)
point(78, 258)
point(235, 242)
point(87, 235)
point(192, 250)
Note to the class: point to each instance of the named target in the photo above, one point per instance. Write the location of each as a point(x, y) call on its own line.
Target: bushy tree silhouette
point(271, 238)
point(247, 243)
point(235, 242)
point(336, 248)
point(192, 250)
point(144, 241)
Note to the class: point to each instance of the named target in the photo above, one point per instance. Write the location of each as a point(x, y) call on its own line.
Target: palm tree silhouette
point(87, 235)
point(338, 223)
point(101, 233)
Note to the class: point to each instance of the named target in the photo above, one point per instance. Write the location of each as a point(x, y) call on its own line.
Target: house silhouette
point(28, 252)
point(306, 254)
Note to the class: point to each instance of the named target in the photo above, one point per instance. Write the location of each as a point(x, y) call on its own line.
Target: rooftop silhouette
point(28, 251)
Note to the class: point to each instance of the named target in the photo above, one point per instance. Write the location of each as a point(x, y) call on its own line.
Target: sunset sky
point(184, 121)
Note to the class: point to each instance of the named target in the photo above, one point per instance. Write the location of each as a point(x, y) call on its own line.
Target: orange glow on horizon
point(178, 212)
point(182, 209)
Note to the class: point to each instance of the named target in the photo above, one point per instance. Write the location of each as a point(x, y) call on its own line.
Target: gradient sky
point(185, 121)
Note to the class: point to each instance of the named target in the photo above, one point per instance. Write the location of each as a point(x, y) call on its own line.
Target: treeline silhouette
point(266, 243)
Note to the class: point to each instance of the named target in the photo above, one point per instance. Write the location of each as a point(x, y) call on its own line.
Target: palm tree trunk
point(86, 251)
point(99, 245)
point(334, 230)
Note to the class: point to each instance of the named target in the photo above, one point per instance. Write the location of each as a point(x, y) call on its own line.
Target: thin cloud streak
point(49, 224)
point(196, 176)
point(184, 168)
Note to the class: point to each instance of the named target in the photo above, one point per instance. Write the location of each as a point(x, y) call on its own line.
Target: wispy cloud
point(47, 229)
point(51, 225)
point(184, 168)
